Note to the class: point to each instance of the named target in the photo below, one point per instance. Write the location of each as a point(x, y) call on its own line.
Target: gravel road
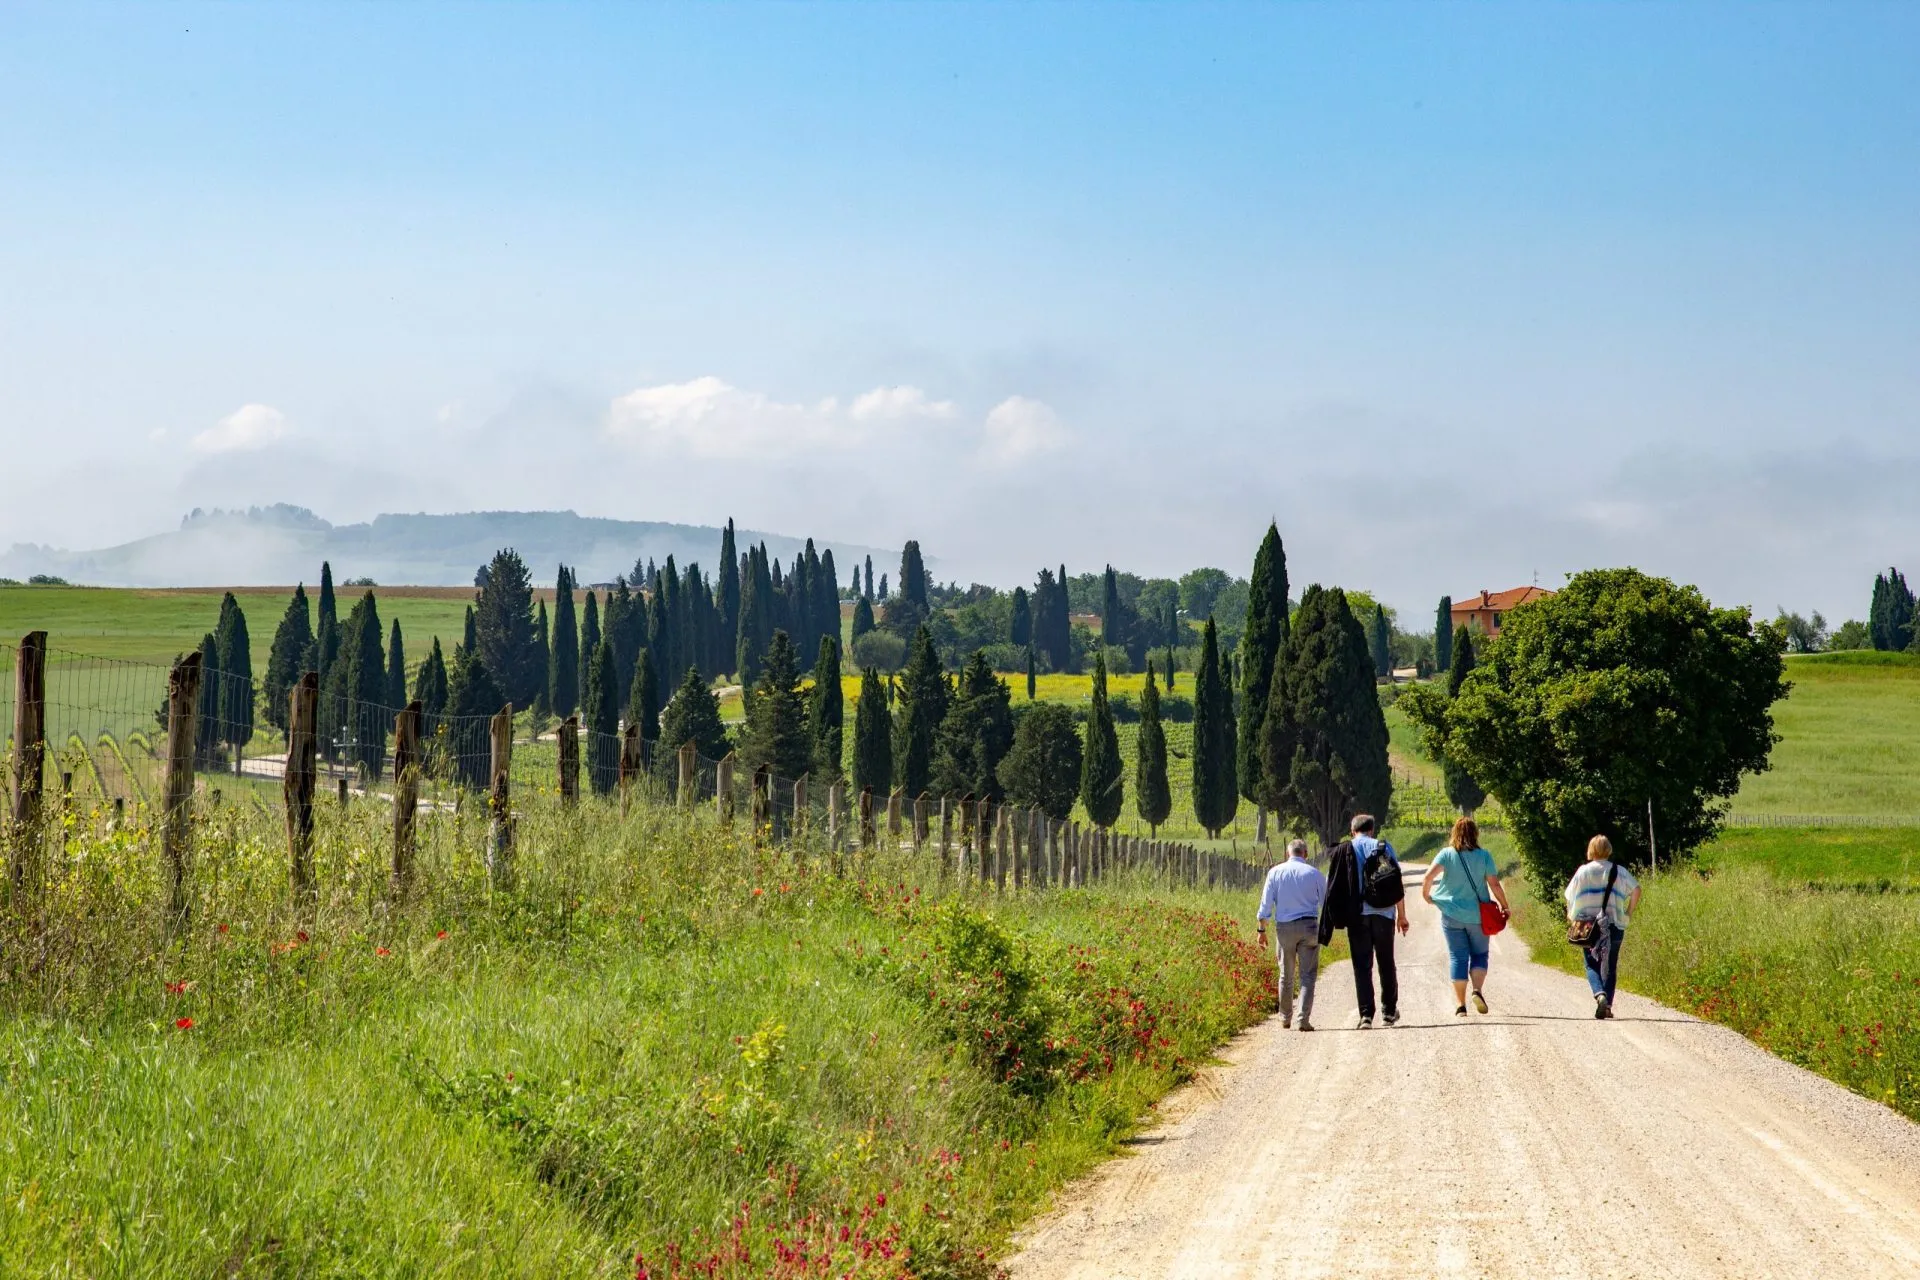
point(1534, 1141)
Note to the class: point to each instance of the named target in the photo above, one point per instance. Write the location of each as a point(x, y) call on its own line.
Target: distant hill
point(267, 546)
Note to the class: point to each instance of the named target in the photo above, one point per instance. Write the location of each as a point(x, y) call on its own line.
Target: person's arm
point(1633, 900)
point(1400, 915)
point(1426, 881)
point(1499, 892)
point(1266, 908)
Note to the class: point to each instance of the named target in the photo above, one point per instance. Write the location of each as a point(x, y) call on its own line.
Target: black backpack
point(1380, 882)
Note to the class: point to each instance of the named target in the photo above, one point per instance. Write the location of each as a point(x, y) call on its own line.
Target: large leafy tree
point(1260, 645)
point(827, 712)
point(1152, 794)
point(1101, 789)
point(503, 627)
point(292, 640)
point(1465, 794)
point(1043, 768)
point(693, 716)
point(1325, 747)
point(1216, 790)
point(776, 727)
point(976, 733)
point(563, 660)
point(236, 667)
point(872, 735)
point(923, 699)
point(1620, 689)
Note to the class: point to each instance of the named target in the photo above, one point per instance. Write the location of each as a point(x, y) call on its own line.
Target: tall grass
point(664, 1044)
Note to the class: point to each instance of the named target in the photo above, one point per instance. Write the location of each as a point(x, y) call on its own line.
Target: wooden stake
point(29, 761)
point(722, 786)
point(688, 756)
point(500, 802)
point(568, 740)
point(406, 795)
point(176, 832)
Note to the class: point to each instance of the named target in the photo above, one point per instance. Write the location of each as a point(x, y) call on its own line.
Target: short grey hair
point(1296, 846)
point(1362, 823)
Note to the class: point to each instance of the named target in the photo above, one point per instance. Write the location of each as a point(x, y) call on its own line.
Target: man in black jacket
point(1370, 928)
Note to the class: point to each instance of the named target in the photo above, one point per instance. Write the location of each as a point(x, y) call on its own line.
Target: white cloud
point(1019, 429)
point(711, 418)
point(896, 403)
point(250, 427)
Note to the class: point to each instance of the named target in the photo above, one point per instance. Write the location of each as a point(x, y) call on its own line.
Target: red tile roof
point(1499, 601)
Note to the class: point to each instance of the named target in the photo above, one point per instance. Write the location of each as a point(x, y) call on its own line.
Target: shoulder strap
point(1473, 881)
point(1606, 899)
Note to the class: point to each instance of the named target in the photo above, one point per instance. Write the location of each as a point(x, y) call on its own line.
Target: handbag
point(1492, 918)
point(1588, 933)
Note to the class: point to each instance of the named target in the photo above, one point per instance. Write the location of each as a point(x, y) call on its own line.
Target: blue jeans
point(1466, 947)
point(1603, 960)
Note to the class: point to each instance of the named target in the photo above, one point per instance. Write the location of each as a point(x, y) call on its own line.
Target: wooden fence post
point(722, 785)
point(894, 799)
point(946, 832)
point(866, 817)
point(176, 841)
point(836, 815)
point(920, 807)
point(406, 794)
point(983, 824)
point(1002, 849)
point(1016, 847)
point(298, 780)
point(1037, 847)
point(500, 802)
point(633, 756)
point(798, 825)
point(761, 801)
point(688, 754)
point(568, 741)
point(29, 761)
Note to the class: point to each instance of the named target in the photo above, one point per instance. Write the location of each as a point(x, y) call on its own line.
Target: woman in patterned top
point(1603, 890)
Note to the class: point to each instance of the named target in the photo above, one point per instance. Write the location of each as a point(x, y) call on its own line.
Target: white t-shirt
point(1589, 884)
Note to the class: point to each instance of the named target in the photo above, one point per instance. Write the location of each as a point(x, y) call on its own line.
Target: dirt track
point(1446, 1149)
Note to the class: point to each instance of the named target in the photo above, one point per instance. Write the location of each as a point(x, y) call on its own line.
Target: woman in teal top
point(1453, 884)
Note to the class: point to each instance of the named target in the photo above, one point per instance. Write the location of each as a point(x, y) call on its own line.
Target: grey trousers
point(1297, 943)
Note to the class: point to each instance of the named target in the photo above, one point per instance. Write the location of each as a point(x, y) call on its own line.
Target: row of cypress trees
point(1890, 616)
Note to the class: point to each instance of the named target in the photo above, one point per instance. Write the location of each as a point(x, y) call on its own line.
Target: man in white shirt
point(1291, 898)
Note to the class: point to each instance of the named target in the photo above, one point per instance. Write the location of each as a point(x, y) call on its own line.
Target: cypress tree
point(660, 627)
point(541, 660)
point(729, 598)
point(603, 720)
point(869, 590)
point(1380, 642)
point(1465, 794)
point(872, 736)
point(1443, 634)
point(469, 637)
point(862, 618)
point(643, 700)
point(365, 656)
point(975, 734)
point(472, 701)
point(503, 627)
point(618, 612)
point(1173, 640)
point(826, 712)
point(326, 629)
point(883, 589)
point(1337, 732)
point(1260, 645)
point(907, 612)
point(1032, 674)
point(589, 642)
point(430, 684)
point(1113, 622)
point(776, 723)
point(1020, 629)
point(923, 698)
point(291, 642)
point(396, 668)
point(826, 599)
point(756, 620)
point(1152, 793)
point(207, 729)
point(236, 669)
point(1100, 784)
point(694, 716)
point(1044, 767)
point(1216, 793)
point(563, 652)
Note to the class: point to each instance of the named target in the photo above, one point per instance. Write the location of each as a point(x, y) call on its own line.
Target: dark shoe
point(1391, 1019)
point(1605, 1010)
point(1305, 1025)
point(1479, 1002)
point(1461, 1012)
point(1365, 1024)
point(1286, 1022)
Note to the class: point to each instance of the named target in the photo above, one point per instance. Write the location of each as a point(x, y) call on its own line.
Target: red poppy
point(758, 892)
point(302, 936)
point(223, 928)
point(183, 1024)
point(178, 988)
point(381, 951)
point(441, 934)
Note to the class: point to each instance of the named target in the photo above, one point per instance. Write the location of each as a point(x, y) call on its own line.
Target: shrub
point(881, 650)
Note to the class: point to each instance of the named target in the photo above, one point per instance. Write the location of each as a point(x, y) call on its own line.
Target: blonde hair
point(1599, 847)
point(1466, 835)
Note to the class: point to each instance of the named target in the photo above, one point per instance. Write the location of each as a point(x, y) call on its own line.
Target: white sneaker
point(1365, 1024)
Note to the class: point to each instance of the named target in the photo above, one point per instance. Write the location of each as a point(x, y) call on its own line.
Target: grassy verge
point(1825, 974)
point(662, 1045)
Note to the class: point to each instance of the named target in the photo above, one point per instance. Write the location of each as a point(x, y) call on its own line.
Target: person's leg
point(1382, 929)
point(1309, 970)
point(1457, 957)
point(1596, 975)
point(1360, 943)
point(1283, 944)
point(1477, 964)
point(1615, 937)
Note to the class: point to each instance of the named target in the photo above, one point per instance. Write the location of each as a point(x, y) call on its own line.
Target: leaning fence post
point(920, 806)
point(894, 798)
point(722, 785)
point(29, 760)
point(183, 696)
point(297, 783)
point(500, 802)
point(687, 756)
point(406, 793)
point(632, 763)
point(866, 817)
point(568, 742)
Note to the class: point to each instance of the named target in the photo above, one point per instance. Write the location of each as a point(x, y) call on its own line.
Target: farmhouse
point(1483, 611)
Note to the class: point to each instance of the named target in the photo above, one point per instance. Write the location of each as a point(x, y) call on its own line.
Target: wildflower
point(784, 887)
point(440, 935)
point(223, 928)
point(758, 892)
point(381, 951)
point(178, 988)
point(183, 1024)
point(302, 936)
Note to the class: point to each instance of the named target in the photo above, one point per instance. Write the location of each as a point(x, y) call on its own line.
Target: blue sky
point(1461, 294)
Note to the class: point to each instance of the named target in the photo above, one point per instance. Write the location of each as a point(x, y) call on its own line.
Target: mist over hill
point(268, 546)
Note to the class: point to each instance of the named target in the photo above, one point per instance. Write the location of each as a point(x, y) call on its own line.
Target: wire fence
point(108, 728)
